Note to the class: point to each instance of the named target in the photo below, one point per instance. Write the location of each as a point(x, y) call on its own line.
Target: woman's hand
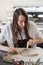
point(31, 42)
point(34, 41)
point(13, 50)
point(9, 49)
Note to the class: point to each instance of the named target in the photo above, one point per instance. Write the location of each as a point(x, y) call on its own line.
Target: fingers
point(13, 50)
point(30, 42)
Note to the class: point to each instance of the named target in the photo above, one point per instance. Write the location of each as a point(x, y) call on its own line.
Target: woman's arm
point(5, 48)
point(9, 49)
point(35, 41)
point(35, 34)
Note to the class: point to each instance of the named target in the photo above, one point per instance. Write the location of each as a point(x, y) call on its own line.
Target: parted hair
point(15, 28)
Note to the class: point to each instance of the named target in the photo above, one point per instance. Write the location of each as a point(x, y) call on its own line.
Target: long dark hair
point(16, 14)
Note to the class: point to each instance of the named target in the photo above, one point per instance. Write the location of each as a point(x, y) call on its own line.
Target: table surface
point(32, 58)
point(28, 58)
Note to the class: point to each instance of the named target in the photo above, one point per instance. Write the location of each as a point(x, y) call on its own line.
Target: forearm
point(4, 48)
point(34, 41)
point(38, 41)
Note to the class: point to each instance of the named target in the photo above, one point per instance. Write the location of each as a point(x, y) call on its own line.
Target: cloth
point(33, 31)
point(22, 43)
point(6, 34)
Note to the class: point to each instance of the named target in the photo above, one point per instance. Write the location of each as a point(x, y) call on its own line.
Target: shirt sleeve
point(9, 36)
point(2, 34)
point(38, 33)
point(34, 32)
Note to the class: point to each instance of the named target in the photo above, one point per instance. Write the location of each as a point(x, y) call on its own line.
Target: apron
point(22, 40)
point(22, 43)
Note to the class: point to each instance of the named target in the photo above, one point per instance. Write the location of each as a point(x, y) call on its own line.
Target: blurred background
point(34, 9)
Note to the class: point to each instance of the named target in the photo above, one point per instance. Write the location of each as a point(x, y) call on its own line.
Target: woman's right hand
point(13, 50)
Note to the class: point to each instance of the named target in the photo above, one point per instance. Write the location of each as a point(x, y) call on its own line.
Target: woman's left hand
point(31, 42)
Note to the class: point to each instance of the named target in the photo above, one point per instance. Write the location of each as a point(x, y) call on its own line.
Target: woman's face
point(21, 21)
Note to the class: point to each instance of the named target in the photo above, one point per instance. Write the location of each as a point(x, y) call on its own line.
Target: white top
point(33, 32)
point(6, 34)
point(21, 36)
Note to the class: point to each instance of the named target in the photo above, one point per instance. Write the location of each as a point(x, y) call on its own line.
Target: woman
point(24, 31)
